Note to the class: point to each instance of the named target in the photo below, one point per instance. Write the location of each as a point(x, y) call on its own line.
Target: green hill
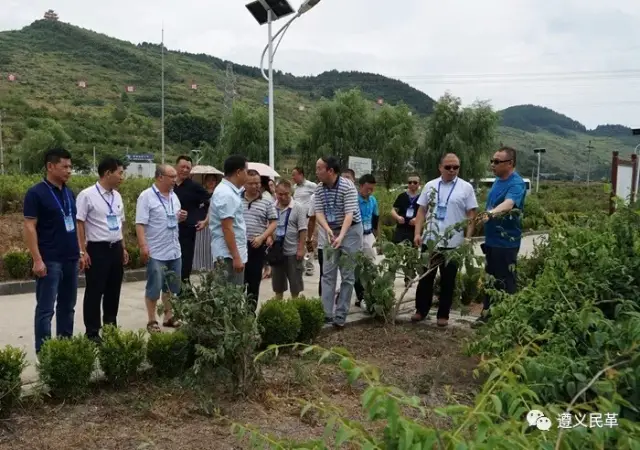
point(49, 58)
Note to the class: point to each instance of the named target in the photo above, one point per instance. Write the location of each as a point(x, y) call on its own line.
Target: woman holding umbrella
point(202, 259)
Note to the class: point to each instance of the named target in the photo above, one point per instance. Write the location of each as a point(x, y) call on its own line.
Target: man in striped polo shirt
point(260, 218)
point(338, 213)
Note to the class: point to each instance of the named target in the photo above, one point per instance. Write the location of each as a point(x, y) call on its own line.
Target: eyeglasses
point(497, 161)
point(451, 167)
point(413, 182)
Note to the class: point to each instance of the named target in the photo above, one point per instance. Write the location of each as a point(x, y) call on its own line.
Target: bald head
point(165, 177)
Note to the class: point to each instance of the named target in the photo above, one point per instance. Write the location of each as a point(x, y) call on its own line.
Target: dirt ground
point(422, 360)
point(11, 232)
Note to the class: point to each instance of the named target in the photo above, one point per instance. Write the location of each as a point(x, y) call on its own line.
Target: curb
point(29, 286)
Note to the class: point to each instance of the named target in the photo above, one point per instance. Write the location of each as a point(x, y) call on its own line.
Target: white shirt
point(462, 199)
point(94, 204)
point(152, 212)
point(303, 192)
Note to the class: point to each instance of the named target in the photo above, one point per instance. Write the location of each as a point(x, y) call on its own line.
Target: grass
point(149, 415)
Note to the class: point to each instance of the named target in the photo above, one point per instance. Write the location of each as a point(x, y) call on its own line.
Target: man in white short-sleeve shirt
point(100, 220)
point(446, 201)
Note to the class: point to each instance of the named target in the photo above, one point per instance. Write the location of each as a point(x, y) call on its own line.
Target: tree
point(247, 133)
point(340, 127)
point(393, 140)
point(192, 128)
point(469, 132)
point(36, 142)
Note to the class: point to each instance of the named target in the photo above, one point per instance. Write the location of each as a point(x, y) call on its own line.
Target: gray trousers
point(342, 258)
point(233, 277)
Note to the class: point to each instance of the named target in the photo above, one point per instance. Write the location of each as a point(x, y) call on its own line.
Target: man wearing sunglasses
point(446, 201)
point(404, 211)
point(502, 231)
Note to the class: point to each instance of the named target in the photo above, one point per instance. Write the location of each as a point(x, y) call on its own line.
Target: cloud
point(494, 49)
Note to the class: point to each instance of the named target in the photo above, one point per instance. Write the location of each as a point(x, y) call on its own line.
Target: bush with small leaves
point(66, 365)
point(17, 264)
point(279, 322)
point(311, 314)
point(12, 363)
point(121, 354)
point(168, 353)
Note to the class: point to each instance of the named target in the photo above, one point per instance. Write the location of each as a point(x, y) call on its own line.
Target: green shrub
point(66, 365)
point(311, 314)
point(17, 264)
point(121, 354)
point(279, 322)
point(168, 353)
point(12, 363)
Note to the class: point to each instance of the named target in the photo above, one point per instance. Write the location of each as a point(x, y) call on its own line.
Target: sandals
point(153, 327)
point(172, 323)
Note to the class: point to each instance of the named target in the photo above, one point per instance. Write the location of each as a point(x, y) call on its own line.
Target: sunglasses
point(497, 161)
point(414, 182)
point(451, 167)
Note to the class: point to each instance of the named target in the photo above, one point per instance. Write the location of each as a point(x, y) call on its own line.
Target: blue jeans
point(58, 288)
point(163, 276)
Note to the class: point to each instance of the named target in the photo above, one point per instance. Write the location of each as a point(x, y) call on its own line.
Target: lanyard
point(335, 197)
point(450, 192)
point(110, 205)
point(412, 201)
point(286, 220)
point(55, 197)
point(162, 202)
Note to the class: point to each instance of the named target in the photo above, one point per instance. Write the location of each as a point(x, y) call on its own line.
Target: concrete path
point(17, 327)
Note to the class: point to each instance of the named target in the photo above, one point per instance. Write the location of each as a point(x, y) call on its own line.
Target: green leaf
point(497, 403)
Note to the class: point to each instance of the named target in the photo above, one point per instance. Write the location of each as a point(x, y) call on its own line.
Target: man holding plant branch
point(446, 201)
point(338, 213)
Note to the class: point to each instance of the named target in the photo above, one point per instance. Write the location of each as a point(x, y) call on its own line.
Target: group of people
point(235, 222)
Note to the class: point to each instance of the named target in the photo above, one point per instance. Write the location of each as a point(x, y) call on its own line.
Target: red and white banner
point(130, 88)
point(11, 77)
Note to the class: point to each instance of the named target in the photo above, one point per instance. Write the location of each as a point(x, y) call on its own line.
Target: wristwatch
point(81, 253)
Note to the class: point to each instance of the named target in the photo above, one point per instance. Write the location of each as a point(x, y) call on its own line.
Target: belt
point(368, 232)
point(340, 227)
point(105, 243)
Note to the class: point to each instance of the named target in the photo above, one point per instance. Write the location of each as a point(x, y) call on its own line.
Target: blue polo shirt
point(505, 232)
point(368, 209)
point(54, 242)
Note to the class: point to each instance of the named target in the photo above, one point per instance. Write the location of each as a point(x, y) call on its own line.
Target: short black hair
point(109, 164)
point(332, 163)
point(234, 163)
point(299, 169)
point(253, 172)
point(184, 158)
point(367, 178)
point(509, 151)
point(54, 155)
point(285, 183)
point(350, 171)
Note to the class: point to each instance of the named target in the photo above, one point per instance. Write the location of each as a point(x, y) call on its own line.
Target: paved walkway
point(17, 327)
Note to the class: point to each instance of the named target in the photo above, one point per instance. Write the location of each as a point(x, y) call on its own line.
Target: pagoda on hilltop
point(51, 15)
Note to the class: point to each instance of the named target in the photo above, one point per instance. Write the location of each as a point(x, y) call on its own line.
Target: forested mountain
point(45, 102)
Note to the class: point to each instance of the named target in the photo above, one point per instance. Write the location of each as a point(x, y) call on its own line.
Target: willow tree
point(469, 132)
point(340, 127)
point(393, 142)
point(247, 133)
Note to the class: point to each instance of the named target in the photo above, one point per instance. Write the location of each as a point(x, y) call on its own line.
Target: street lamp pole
point(539, 152)
point(268, 11)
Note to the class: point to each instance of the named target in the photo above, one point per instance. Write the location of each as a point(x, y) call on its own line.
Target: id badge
point(367, 226)
point(172, 221)
point(331, 217)
point(441, 212)
point(69, 224)
point(112, 222)
point(410, 212)
point(280, 232)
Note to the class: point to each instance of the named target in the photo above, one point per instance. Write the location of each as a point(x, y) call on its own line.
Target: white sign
point(360, 166)
point(130, 88)
point(82, 84)
point(624, 182)
point(194, 86)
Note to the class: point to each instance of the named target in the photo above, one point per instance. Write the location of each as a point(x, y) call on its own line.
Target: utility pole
point(539, 152)
point(589, 148)
point(229, 95)
point(162, 113)
point(1, 147)
point(95, 170)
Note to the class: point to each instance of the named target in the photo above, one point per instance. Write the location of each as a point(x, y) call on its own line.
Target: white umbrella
point(205, 170)
point(263, 169)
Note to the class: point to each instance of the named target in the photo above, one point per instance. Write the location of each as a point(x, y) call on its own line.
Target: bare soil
point(11, 232)
point(422, 360)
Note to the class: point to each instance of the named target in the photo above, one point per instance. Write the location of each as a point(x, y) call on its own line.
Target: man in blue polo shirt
point(370, 217)
point(52, 240)
point(503, 231)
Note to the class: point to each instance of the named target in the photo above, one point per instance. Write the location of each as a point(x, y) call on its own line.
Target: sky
point(578, 57)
